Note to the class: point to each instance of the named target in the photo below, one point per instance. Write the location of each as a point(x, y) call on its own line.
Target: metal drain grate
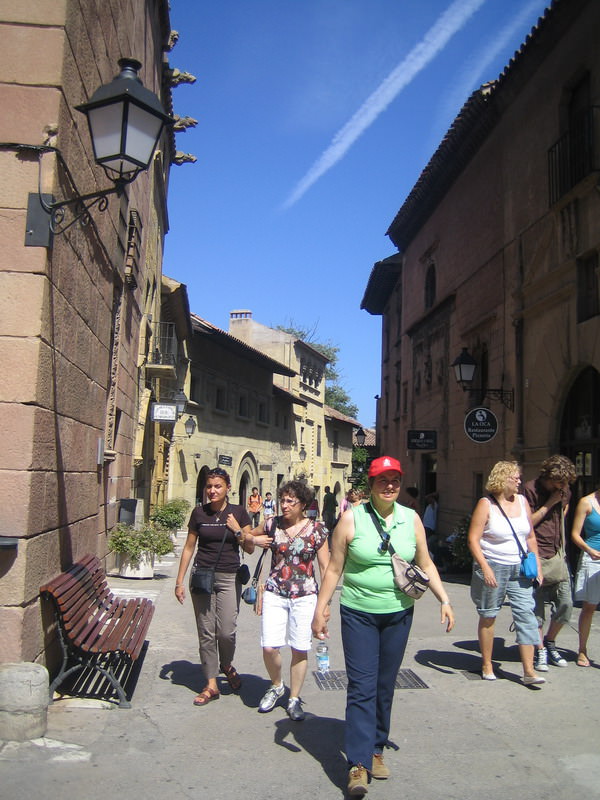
point(336, 679)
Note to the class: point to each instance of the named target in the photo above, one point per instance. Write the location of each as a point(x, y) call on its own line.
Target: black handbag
point(202, 579)
point(243, 574)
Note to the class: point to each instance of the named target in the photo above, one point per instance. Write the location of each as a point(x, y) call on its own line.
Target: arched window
point(430, 287)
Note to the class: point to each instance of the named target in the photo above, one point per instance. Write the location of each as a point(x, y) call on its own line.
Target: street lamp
point(464, 370)
point(302, 453)
point(190, 426)
point(360, 437)
point(125, 122)
point(180, 400)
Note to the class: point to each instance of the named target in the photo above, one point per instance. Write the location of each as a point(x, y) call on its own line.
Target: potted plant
point(171, 515)
point(137, 548)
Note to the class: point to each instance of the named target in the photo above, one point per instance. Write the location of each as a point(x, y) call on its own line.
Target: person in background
point(329, 509)
point(290, 592)
point(353, 498)
point(411, 498)
point(312, 511)
point(430, 514)
point(585, 533)
point(548, 497)
point(254, 506)
point(497, 565)
point(269, 506)
point(375, 615)
point(211, 525)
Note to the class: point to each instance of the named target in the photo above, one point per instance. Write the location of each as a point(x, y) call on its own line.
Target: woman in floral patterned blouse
point(290, 594)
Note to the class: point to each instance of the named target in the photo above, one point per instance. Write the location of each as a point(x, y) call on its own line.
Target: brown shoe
point(357, 781)
point(379, 771)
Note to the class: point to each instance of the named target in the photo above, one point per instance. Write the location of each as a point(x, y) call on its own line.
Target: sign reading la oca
point(481, 425)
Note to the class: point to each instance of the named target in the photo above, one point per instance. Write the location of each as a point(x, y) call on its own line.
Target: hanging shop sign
point(164, 412)
point(481, 425)
point(421, 440)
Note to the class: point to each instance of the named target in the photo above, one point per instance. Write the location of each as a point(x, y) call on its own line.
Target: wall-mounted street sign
point(421, 440)
point(226, 461)
point(481, 425)
point(164, 412)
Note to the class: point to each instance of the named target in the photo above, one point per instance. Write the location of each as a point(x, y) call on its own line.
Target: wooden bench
point(96, 629)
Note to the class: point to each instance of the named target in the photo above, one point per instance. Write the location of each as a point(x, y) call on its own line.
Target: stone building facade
point(498, 246)
point(244, 423)
point(72, 307)
point(321, 436)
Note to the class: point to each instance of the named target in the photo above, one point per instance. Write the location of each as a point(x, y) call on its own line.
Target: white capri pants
point(286, 614)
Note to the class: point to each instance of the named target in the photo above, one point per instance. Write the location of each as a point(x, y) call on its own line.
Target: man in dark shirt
point(548, 496)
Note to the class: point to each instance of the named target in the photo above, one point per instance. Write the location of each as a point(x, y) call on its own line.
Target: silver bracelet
point(445, 603)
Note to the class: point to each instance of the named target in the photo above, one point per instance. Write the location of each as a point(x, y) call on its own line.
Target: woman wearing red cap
point(375, 615)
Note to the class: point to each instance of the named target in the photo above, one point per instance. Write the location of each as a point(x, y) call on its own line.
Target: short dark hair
point(412, 491)
point(299, 489)
point(218, 472)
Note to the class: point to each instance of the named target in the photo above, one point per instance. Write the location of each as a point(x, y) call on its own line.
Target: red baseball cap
point(384, 464)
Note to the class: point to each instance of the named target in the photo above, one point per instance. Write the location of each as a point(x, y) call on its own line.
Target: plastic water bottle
point(323, 657)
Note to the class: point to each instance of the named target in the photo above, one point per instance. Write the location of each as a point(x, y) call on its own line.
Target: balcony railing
point(164, 345)
point(575, 155)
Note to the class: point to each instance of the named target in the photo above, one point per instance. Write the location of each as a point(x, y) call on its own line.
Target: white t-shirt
point(498, 543)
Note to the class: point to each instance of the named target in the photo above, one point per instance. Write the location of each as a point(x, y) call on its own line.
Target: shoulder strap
point(223, 539)
point(385, 537)
point(519, 545)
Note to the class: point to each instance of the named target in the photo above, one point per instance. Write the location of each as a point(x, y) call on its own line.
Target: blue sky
point(315, 119)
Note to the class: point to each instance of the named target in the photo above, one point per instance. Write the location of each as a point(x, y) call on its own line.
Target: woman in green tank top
point(375, 615)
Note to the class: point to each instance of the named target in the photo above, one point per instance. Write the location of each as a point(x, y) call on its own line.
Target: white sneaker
point(540, 659)
point(272, 695)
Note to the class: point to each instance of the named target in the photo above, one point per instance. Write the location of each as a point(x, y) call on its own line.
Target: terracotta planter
point(145, 568)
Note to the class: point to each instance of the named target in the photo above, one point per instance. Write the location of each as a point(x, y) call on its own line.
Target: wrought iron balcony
point(575, 155)
point(162, 356)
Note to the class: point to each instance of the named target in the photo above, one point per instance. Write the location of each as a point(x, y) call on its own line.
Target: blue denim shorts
point(512, 586)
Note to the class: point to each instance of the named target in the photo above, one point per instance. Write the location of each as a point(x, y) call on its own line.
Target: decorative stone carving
point(176, 76)
point(183, 158)
point(173, 39)
point(183, 123)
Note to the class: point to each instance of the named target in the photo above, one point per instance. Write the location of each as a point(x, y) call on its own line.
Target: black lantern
point(302, 453)
point(360, 437)
point(125, 121)
point(190, 426)
point(464, 368)
point(180, 399)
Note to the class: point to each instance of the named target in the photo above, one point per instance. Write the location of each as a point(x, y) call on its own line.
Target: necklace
point(218, 514)
point(297, 532)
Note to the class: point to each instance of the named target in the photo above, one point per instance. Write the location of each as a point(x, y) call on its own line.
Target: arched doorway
point(244, 488)
point(580, 431)
point(200, 484)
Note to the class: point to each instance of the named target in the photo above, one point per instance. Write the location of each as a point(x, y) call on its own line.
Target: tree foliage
point(335, 394)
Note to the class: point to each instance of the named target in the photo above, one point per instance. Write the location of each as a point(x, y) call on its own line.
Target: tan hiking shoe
point(357, 781)
point(379, 769)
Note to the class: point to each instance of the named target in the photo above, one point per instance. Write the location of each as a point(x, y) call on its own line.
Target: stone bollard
point(23, 701)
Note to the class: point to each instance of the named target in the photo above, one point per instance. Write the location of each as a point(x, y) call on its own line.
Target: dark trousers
point(374, 646)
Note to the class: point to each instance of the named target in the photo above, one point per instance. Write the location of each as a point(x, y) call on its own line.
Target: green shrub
point(461, 555)
point(134, 542)
point(172, 515)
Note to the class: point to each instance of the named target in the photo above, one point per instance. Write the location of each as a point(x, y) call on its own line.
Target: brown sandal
point(205, 696)
point(233, 679)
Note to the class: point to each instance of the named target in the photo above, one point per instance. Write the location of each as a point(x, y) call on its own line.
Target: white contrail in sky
point(436, 38)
